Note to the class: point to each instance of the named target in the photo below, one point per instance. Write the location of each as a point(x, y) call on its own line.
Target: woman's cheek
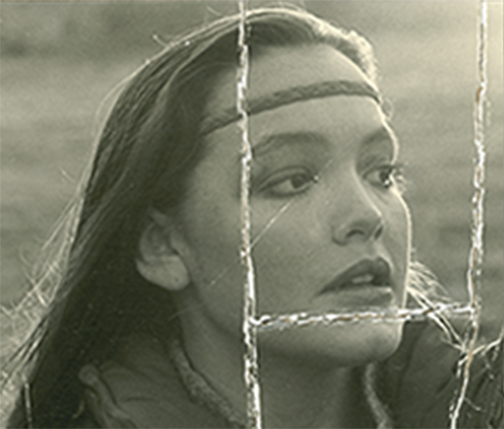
point(399, 240)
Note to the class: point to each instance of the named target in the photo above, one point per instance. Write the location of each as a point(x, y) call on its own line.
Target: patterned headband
point(292, 95)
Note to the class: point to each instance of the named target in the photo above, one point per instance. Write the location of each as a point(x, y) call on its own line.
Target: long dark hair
point(149, 145)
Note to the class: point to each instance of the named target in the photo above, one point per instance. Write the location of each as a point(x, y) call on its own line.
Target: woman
point(145, 328)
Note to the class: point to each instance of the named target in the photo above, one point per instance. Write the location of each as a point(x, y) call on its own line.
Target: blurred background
point(61, 61)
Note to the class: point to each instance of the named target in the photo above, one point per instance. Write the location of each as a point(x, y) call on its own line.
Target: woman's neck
point(306, 395)
point(294, 393)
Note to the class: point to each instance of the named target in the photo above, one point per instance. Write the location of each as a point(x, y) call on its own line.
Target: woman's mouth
point(372, 273)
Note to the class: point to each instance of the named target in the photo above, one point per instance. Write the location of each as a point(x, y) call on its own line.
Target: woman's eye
point(287, 183)
point(384, 176)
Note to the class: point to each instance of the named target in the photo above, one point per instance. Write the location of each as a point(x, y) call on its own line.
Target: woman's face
point(330, 230)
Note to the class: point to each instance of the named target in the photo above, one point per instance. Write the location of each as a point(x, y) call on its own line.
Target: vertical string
point(251, 374)
point(476, 253)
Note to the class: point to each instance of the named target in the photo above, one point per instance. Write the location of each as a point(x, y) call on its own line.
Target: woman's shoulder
point(419, 383)
point(141, 391)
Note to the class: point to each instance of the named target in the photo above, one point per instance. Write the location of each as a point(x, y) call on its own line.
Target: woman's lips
point(368, 273)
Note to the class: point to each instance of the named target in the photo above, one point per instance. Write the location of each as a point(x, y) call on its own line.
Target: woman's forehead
point(283, 75)
point(338, 124)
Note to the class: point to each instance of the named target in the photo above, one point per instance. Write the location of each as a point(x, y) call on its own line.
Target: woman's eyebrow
point(382, 134)
point(273, 142)
point(292, 95)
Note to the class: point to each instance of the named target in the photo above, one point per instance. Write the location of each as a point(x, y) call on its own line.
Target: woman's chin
point(350, 345)
point(378, 342)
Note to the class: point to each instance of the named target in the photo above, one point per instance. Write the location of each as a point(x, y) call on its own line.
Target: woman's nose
point(362, 220)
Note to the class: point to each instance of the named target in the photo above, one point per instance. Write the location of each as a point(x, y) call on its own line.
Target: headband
point(291, 95)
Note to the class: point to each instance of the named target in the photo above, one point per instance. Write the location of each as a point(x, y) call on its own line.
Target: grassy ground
point(49, 123)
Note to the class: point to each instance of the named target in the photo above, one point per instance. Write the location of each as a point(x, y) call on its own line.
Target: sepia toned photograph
point(252, 214)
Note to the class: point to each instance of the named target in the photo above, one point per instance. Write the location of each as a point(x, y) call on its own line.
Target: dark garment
point(143, 391)
point(417, 385)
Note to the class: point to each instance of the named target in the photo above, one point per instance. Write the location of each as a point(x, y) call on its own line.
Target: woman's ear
point(158, 262)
